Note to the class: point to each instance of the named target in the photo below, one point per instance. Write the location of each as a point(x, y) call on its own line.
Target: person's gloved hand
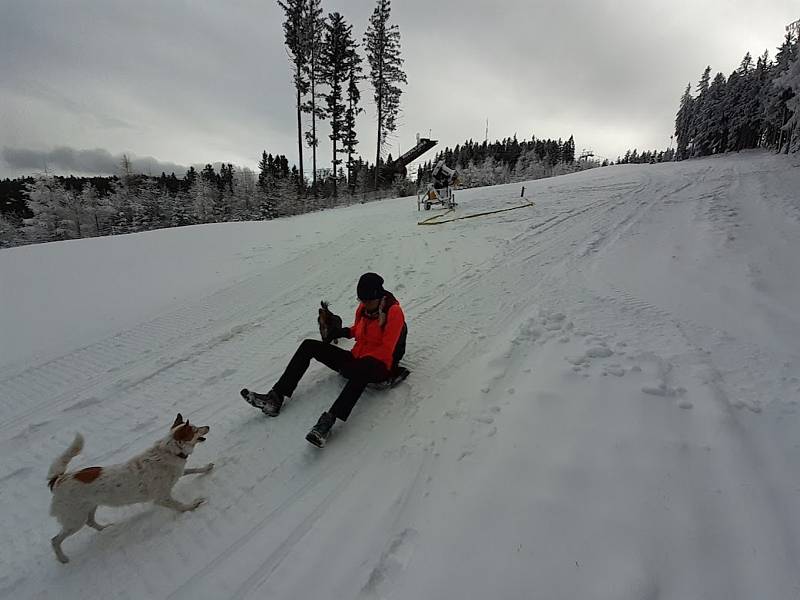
point(330, 324)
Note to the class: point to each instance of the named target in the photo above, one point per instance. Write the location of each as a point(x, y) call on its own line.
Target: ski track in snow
point(603, 404)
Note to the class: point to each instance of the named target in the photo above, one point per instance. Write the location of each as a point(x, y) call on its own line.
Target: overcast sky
point(178, 82)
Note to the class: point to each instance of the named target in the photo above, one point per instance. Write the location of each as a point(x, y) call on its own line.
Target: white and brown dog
point(148, 477)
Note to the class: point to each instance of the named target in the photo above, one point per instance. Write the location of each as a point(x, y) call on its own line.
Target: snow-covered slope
point(603, 401)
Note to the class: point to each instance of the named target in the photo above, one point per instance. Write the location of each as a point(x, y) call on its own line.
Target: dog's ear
point(178, 421)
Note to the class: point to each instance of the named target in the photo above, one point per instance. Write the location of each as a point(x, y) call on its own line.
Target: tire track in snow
point(241, 545)
point(127, 353)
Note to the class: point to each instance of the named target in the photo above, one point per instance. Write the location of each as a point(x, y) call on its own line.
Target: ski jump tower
point(397, 168)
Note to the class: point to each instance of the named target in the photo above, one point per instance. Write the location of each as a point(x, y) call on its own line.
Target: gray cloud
point(195, 82)
point(97, 161)
point(38, 90)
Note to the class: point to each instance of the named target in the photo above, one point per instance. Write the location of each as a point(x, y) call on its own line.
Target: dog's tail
point(59, 466)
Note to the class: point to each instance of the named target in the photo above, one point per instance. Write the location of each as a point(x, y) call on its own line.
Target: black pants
point(358, 371)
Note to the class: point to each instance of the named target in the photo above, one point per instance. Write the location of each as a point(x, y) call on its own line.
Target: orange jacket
point(374, 339)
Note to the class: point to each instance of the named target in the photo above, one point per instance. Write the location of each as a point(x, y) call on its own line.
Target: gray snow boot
point(319, 433)
point(269, 403)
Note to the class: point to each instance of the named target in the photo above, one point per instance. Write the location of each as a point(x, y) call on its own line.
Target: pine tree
point(778, 94)
point(45, 196)
point(204, 195)
point(699, 107)
point(223, 205)
point(790, 80)
point(712, 132)
point(125, 200)
point(337, 60)
point(705, 81)
point(265, 205)
point(294, 29)
point(73, 212)
point(190, 177)
point(9, 234)
point(150, 199)
point(97, 208)
point(350, 140)
point(756, 97)
point(166, 199)
point(182, 209)
point(314, 29)
point(244, 188)
point(282, 168)
point(683, 123)
point(743, 106)
point(568, 151)
point(757, 105)
point(382, 41)
point(264, 170)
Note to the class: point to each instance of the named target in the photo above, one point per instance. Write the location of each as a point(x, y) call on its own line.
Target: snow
point(603, 400)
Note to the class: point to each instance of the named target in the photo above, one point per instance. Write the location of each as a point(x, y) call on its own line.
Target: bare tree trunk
point(335, 187)
point(78, 223)
point(301, 180)
point(378, 152)
point(313, 130)
point(780, 130)
point(380, 123)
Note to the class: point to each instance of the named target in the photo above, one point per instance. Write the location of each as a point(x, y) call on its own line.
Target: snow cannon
point(440, 190)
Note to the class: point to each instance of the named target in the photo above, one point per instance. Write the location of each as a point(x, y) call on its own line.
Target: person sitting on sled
point(380, 332)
